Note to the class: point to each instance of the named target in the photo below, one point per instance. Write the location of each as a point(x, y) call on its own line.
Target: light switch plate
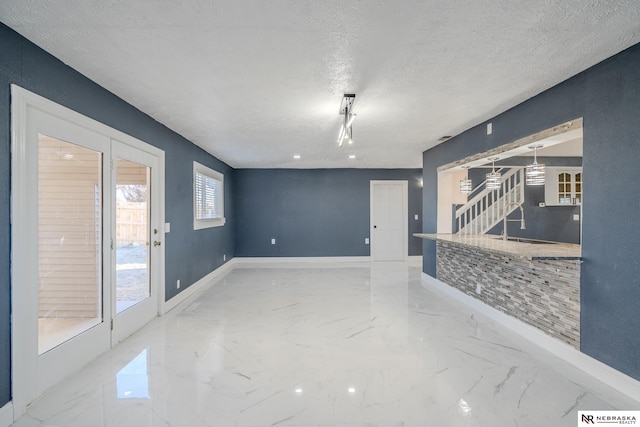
point(576, 217)
point(273, 241)
point(415, 217)
point(167, 227)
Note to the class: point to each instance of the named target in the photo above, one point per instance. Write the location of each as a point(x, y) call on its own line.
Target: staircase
point(486, 208)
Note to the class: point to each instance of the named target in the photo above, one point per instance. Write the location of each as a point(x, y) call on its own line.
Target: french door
point(86, 241)
point(136, 238)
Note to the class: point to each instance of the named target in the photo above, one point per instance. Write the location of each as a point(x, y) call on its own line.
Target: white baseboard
point(207, 280)
point(602, 372)
point(6, 415)
point(322, 259)
point(200, 285)
point(300, 260)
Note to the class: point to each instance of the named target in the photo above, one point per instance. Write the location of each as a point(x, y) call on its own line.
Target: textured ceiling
point(255, 82)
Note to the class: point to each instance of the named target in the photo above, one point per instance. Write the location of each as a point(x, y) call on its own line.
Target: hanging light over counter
point(465, 184)
point(493, 177)
point(534, 174)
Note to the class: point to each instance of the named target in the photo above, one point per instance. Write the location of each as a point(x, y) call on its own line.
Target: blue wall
point(607, 96)
point(313, 212)
point(190, 254)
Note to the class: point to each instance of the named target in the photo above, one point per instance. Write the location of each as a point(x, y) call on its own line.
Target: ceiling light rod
point(351, 119)
point(346, 108)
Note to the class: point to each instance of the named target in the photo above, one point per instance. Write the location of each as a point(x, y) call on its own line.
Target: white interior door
point(66, 174)
point(389, 210)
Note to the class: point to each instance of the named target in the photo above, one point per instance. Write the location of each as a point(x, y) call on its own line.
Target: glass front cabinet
point(563, 186)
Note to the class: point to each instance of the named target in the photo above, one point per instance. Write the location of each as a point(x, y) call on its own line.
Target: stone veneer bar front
point(521, 281)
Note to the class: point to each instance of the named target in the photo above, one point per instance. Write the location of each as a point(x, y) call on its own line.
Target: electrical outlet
point(415, 217)
point(273, 241)
point(224, 257)
point(576, 217)
point(366, 240)
point(178, 284)
point(478, 289)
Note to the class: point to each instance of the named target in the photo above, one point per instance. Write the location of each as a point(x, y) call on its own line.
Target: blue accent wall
point(607, 96)
point(313, 212)
point(190, 254)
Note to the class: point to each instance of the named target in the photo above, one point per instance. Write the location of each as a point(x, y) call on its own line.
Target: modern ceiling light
point(493, 177)
point(535, 172)
point(465, 184)
point(347, 135)
point(346, 109)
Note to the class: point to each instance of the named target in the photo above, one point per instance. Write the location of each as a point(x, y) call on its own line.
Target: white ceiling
point(255, 82)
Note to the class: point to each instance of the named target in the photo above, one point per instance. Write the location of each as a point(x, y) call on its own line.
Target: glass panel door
point(132, 234)
point(69, 215)
point(137, 238)
point(67, 174)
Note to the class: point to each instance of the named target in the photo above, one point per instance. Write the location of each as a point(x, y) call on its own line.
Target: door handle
point(156, 243)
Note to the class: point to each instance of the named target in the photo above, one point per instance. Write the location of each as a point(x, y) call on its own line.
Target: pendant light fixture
point(493, 177)
point(346, 107)
point(465, 184)
point(534, 174)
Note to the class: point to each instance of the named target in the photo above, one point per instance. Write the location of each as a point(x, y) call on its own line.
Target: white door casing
point(33, 374)
point(389, 223)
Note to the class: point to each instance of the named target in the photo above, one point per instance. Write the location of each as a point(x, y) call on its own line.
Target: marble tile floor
point(316, 345)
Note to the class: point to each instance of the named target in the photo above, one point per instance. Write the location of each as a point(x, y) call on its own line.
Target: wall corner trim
point(598, 370)
point(201, 285)
point(6, 415)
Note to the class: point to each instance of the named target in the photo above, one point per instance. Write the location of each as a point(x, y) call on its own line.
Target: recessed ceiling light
point(296, 156)
point(352, 156)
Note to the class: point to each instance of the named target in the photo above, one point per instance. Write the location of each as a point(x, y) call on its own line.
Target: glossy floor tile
point(350, 345)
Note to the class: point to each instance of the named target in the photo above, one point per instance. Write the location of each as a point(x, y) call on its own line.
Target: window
point(208, 197)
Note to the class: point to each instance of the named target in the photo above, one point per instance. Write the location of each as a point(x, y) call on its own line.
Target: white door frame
point(131, 319)
point(404, 184)
point(24, 104)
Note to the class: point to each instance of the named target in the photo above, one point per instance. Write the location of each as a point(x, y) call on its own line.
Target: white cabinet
point(563, 186)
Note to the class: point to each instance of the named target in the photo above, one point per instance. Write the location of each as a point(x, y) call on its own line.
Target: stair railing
point(486, 209)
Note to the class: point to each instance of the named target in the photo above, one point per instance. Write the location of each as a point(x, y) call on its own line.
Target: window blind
point(207, 200)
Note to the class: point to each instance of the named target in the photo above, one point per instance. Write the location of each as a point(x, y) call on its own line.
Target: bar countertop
point(531, 249)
